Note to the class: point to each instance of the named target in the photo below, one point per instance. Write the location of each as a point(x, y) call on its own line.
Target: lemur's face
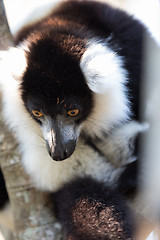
point(60, 121)
point(56, 95)
point(63, 84)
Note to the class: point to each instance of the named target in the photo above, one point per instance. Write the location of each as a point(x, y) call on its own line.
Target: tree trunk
point(32, 210)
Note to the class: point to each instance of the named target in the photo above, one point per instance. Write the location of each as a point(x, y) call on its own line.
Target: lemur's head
point(55, 92)
point(68, 84)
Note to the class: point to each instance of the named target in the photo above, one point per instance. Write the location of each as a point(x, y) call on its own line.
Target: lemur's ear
point(102, 67)
point(12, 64)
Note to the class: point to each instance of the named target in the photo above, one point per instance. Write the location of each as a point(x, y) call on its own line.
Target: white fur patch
point(12, 63)
point(102, 68)
point(106, 77)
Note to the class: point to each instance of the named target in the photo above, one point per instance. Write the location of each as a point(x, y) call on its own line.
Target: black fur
point(58, 54)
point(88, 210)
point(128, 181)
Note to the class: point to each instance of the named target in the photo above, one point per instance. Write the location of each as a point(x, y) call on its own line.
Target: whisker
point(95, 123)
point(41, 144)
point(30, 126)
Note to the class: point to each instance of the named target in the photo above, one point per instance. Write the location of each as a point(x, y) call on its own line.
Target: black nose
point(60, 155)
point(62, 151)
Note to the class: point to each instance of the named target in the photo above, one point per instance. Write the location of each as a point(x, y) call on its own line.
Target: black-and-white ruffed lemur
point(71, 84)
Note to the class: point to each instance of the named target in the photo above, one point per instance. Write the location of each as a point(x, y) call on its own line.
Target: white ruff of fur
point(46, 173)
point(106, 77)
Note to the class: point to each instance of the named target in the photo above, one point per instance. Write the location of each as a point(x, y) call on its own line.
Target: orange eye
point(37, 113)
point(73, 113)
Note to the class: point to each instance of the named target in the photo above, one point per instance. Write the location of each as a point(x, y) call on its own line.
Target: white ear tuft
point(12, 64)
point(102, 67)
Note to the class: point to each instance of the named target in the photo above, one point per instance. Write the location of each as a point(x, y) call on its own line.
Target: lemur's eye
point(37, 113)
point(73, 113)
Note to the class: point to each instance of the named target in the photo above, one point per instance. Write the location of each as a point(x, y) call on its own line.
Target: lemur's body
point(71, 79)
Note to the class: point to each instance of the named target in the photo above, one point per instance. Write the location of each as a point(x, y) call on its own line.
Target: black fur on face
point(92, 19)
point(54, 85)
point(53, 74)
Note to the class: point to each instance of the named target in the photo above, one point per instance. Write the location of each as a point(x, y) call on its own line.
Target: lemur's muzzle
point(60, 139)
point(61, 151)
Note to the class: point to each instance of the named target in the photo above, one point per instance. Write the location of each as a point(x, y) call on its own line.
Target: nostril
point(59, 156)
point(55, 157)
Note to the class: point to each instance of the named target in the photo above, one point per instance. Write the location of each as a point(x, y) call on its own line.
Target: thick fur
point(96, 39)
point(88, 210)
point(85, 56)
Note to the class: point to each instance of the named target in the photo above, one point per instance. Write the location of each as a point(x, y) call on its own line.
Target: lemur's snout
point(61, 151)
point(60, 137)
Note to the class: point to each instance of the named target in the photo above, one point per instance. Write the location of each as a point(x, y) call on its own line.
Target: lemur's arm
point(119, 145)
